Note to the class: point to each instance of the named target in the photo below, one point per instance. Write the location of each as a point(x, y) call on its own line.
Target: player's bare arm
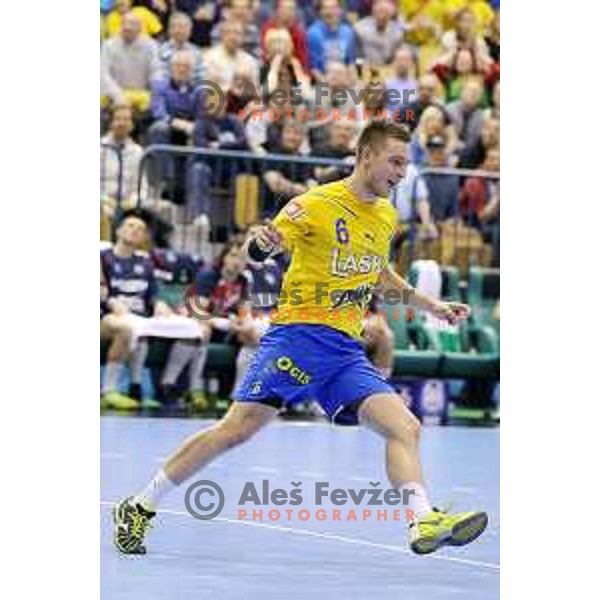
point(451, 312)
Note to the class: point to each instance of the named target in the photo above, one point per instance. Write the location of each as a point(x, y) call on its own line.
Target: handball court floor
point(232, 559)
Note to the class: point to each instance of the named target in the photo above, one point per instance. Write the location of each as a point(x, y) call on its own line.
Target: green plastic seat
point(478, 355)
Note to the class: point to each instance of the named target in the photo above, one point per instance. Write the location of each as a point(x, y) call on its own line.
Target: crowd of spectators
point(433, 64)
point(337, 61)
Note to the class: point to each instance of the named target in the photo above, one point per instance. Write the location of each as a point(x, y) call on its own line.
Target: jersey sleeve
point(296, 219)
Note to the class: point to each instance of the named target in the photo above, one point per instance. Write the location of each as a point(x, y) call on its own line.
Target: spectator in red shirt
point(285, 18)
point(479, 203)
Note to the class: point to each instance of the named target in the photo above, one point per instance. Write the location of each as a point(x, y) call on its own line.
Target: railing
point(459, 238)
point(228, 191)
point(216, 192)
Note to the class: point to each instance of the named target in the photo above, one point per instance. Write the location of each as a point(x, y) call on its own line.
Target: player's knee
point(411, 427)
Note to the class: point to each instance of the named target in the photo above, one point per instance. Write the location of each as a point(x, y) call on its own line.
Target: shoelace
point(139, 524)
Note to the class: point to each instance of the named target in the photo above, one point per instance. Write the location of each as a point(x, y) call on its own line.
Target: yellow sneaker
point(119, 401)
point(198, 400)
point(439, 529)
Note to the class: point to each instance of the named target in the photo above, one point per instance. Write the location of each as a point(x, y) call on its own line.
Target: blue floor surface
point(230, 559)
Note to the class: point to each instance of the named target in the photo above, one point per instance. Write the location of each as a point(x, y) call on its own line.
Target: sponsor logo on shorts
point(287, 365)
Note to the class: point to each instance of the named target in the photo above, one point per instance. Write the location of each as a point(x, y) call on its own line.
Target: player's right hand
point(269, 238)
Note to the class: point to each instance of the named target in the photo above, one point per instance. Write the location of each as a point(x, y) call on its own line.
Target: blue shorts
point(312, 362)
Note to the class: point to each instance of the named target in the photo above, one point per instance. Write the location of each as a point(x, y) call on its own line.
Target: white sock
point(159, 487)
point(416, 499)
point(111, 376)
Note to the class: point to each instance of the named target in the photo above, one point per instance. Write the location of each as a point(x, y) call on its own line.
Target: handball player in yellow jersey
point(338, 237)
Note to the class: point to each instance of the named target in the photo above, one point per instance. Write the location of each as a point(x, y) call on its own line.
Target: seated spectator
point(339, 100)
point(172, 106)
point(483, 12)
point(255, 126)
point(466, 115)
point(240, 11)
point(287, 179)
point(402, 81)
point(264, 284)
point(477, 192)
point(426, 96)
point(474, 153)
point(204, 14)
point(127, 287)
point(410, 198)
point(463, 35)
point(330, 40)
point(458, 68)
point(243, 90)
point(494, 109)
point(492, 39)
point(175, 117)
point(180, 31)
point(119, 135)
point(423, 21)
point(432, 124)
point(285, 18)
point(150, 23)
point(379, 35)
point(225, 59)
point(129, 64)
point(219, 301)
point(340, 146)
point(161, 8)
point(480, 202)
point(281, 69)
point(220, 131)
point(373, 106)
point(442, 190)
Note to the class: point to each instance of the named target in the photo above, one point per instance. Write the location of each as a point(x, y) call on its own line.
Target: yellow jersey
point(338, 246)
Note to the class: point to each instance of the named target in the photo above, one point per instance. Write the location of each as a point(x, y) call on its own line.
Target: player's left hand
point(451, 312)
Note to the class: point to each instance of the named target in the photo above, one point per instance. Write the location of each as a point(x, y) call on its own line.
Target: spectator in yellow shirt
point(424, 19)
point(151, 24)
point(483, 12)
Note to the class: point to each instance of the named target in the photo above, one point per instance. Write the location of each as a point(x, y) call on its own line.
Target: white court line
point(338, 538)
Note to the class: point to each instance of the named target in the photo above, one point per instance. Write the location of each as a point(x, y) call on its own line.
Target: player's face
point(133, 232)
point(388, 166)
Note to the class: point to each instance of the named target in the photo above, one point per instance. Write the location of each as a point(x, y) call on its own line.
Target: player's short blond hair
point(376, 133)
